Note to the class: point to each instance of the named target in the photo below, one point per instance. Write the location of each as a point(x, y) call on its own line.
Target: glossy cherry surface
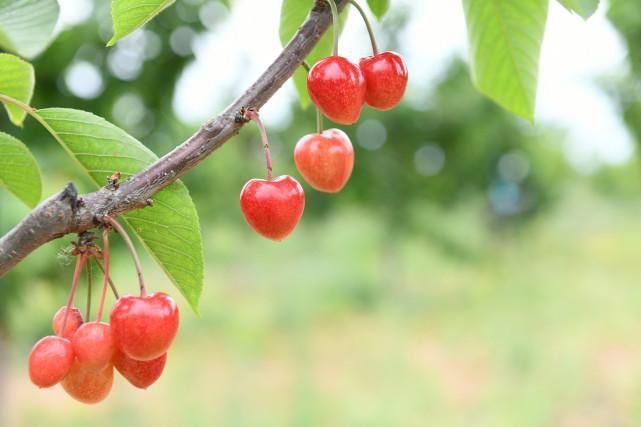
point(88, 385)
point(325, 159)
point(74, 320)
point(140, 374)
point(144, 327)
point(273, 208)
point(50, 361)
point(93, 345)
point(385, 78)
point(337, 88)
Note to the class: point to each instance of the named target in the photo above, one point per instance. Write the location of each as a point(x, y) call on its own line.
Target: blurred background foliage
point(467, 275)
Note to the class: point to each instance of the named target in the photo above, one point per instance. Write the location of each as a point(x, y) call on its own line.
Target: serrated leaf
point(129, 15)
point(169, 229)
point(19, 171)
point(17, 80)
point(292, 15)
point(378, 7)
point(26, 26)
point(584, 8)
point(505, 43)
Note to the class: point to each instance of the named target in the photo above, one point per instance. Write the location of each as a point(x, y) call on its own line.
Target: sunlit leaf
point(169, 229)
point(129, 15)
point(19, 171)
point(584, 8)
point(26, 26)
point(16, 81)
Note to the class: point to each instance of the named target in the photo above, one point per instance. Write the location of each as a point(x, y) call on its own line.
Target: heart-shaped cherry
point(50, 361)
point(386, 78)
point(140, 374)
point(337, 88)
point(74, 320)
point(325, 159)
point(93, 345)
point(144, 327)
point(273, 207)
point(88, 385)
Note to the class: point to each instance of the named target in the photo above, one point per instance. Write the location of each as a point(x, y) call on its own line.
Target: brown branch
point(66, 213)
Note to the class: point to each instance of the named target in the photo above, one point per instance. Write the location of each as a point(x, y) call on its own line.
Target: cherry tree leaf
point(19, 171)
point(26, 26)
point(505, 43)
point(17, 80)
point(129, 15)
point(584, 8)
point(292, 15)
point(378, 7)
point(169, 229)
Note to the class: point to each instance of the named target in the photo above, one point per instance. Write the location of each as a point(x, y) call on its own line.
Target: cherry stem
point(319, 121)
point(105, 244)
point(306, 66)
point(335, 25)
point(123, 233)
point(252, 114)
point(89, 286)
point(111, 283)
point(372, 38)
point(80, 263)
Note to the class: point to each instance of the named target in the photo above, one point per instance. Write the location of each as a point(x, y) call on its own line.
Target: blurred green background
point(468, 275)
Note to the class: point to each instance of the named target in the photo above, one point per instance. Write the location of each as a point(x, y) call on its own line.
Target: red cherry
point(386, 79)
point(140, 374)
point(337, 88)
point(74, 320)
point(325, 160)
point(93, 345)
point(50, 361)
point(88, 385)
point(273, 208)
point(144, 327)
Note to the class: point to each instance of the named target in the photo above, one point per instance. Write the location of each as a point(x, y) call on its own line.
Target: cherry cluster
point(339, 89)
point(82, 354)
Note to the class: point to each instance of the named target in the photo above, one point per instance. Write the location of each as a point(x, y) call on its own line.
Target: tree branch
point(67, 213)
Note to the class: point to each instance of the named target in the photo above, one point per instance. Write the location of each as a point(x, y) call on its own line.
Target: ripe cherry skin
point(50, 361)
point(93, 345)
point(273, 208)
point(88, 385)
point(74, 320)
point(385, 78)
point(140, 374)
point(337, 88)
point(325, 159)
point(144, 327)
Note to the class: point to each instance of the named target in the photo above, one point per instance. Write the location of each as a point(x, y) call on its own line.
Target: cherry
point(74, 320)
point(50, 361)
point(93, 345)
point(88, 385)
point(273, 207)
point(337, 88)
point(144, 327)
point(140, 374)
point(386, 78)
point(325, 159)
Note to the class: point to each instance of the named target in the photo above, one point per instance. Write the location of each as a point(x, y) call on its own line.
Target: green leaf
point(19, 171)
point(17, 80)
point(378, 7)
point(169, 229)
point(292, 15)
point(26, 26)
point(584, 8)
point(505, 42)
point(129, 15)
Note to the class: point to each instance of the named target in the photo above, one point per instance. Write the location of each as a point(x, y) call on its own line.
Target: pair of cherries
point(82, 356)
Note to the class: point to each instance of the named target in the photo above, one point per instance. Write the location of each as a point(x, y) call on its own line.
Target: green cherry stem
point(80, 263)
point(123, 233)
point(319, 121)
point(111, 283)
point(105, 283)
point(89, 286)
point(252, 114)
point(372, 38)
point(335, 25)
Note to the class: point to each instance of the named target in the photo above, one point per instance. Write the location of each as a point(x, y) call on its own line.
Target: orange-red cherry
point(93, 345)
point(144, 327)
point(74, 320)
point(273, 207)
point(386, 79)
point(88, 385)
point(337, 88)
point(325, 159)
point(50, 361)
point(140, 374)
